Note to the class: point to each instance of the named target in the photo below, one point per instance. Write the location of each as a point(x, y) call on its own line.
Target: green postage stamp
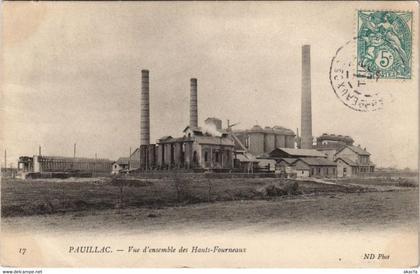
point(384, 44)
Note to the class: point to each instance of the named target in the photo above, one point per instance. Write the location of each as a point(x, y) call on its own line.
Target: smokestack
point(39, 150)
point(74, 150)
point(193, 104)
point(144, 109)
point(306, 108)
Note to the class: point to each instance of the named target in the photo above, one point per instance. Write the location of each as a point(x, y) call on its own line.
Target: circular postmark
point(354, 87)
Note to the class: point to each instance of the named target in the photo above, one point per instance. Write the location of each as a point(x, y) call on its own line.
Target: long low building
point(303, 162)
point(315, 167)
point(280, 153)
point(41, 163)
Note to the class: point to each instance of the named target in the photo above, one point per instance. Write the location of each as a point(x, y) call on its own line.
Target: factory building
point(259, 141)
point(207, 147)
point(197, 149)
point(315, 167)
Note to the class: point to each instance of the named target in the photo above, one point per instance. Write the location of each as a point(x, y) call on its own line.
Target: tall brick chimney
point(193, 104)
point(144, 109)
point(306, 108)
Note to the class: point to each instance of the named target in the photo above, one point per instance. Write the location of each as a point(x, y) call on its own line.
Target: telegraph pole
point(74, 156)
point(94, 164)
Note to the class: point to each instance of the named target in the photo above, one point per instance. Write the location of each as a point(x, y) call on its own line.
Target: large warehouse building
point(58, 164)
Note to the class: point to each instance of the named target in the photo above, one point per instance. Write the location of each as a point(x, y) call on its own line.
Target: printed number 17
point(22, 251)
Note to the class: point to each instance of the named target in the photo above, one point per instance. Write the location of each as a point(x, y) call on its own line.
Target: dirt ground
point(97, 205)
point(52, 196)
point(341, 211)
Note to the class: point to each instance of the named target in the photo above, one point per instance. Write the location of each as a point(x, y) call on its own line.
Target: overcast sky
point(71, 74)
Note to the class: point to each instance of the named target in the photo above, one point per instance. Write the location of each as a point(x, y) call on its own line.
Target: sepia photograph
point(209, 134)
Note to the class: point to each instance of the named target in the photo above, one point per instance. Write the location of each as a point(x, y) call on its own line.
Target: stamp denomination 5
point(384, 44)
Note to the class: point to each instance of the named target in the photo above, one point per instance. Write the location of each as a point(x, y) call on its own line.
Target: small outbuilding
point(120, 165)
point(315, 167)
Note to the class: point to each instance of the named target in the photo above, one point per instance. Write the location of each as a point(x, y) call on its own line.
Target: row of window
point(217, 156)
point(366, 169)
point(362, 169)
point(317, 171)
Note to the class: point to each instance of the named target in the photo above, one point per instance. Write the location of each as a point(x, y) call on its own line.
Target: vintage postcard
point(209, 134)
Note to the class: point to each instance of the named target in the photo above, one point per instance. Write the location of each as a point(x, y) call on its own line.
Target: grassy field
point(376, 211)
point(48, 196)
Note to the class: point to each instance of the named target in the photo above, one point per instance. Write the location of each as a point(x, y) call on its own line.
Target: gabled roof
point(122, 161)
point(357, 150)
point(301, 166)
point(317, 162)
point(346, 160)
point(246, 157)
point(288, 160)
point(294, 152)
point(166, 137)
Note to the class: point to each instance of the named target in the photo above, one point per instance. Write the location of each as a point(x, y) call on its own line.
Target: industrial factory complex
point(212, 147)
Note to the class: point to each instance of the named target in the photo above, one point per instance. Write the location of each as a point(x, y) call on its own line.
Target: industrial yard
point(212, 147)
